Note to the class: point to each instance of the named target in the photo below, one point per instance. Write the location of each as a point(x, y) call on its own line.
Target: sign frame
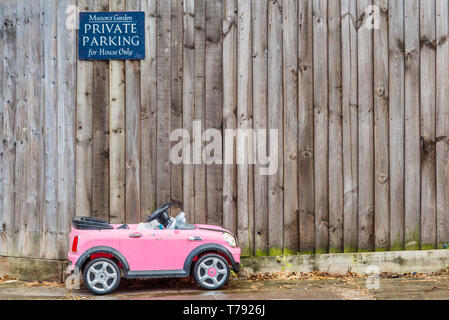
point(111, 35)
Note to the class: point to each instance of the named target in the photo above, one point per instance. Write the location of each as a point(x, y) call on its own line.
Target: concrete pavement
point(319, 288)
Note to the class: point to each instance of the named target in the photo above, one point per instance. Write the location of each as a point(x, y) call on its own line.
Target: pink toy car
point(163, 247)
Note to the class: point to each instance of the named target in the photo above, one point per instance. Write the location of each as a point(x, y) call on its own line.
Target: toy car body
point(169, 248)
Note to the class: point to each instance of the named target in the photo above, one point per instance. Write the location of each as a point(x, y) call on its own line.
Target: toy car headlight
point(229, 238)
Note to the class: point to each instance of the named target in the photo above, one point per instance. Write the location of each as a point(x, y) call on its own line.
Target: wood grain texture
point(66, 127)
point(427, 91)
point(9, 84)
point(381, 130)
point(2, 108)
point(275, 122)
point(230, 112)
point(365, 128)
point(321, 125)
point(41, 150)
point(214, 107)
point(290, 81)
point(188, 103)
point(260, 114)
point(200, 111)
point(244, 103)
point(148, 112)
point(84, 113)
point(350, 122)
point(163, 100)
point(251, 144)
point(396, 101)
point(21, 136)
point(117, 125)
point(100, 132)
point(305, 128)
point(176, 173)
point(132, 133)
point(335, 130)
point(32, 221)
point(49, 236)
point(442, 122)
point(412, 157)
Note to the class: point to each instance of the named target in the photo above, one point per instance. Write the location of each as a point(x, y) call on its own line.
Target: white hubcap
point(212, 272)
point(102, 276)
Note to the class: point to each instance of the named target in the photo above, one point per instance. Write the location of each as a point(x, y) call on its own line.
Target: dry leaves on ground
point(322, 275)
point(7, 278)
point(69, 296)
point(45, 284)
point(289, 275)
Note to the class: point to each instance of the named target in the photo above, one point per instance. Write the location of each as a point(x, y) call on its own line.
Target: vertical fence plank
point(321, 125)
point(176, 93)
point(49, 245)
point(132, 132)
point(117, 160)
point(305, 128)
point(200, 110)
point(34, 159)
point(3, 26)
point(350, 122)
point(244, 97)
point(100, 133)
point(442, 125)
point(41, 149)
point(66, 124)
point(290, 78)
point(9, 124)
point(230, 112)
point(251, 145)
point(163, 100)
point(84, 102)
point(22, 98)
point(335, 130)
point(427, 90)
point(214, 107)
point(412, 127)
point(260, 111)
point(381, 129)
point(148, 113)
point(188, 103)
point(396, 102)
point(275, 122)
point(188, 114)
point(366, 133)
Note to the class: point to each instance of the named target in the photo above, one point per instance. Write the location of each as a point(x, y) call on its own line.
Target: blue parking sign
point(111, 36)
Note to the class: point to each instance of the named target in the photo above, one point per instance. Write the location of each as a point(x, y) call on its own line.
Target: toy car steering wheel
point(160, 215)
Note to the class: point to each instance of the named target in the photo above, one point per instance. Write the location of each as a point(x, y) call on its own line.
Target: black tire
point(98, 273)
point(211, 271)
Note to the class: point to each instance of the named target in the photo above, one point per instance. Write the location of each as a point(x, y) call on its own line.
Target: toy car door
point(151, 250)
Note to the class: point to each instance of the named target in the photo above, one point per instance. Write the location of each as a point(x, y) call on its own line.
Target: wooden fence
point(359, 94)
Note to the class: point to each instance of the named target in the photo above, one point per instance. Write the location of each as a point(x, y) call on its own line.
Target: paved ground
point(323, 288)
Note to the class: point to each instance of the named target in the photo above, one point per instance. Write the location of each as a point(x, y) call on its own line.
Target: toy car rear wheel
point(211, 271)
point(101, 276)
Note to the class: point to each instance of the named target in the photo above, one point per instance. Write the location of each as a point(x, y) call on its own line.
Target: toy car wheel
point(101, 276)
point(211, 271)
